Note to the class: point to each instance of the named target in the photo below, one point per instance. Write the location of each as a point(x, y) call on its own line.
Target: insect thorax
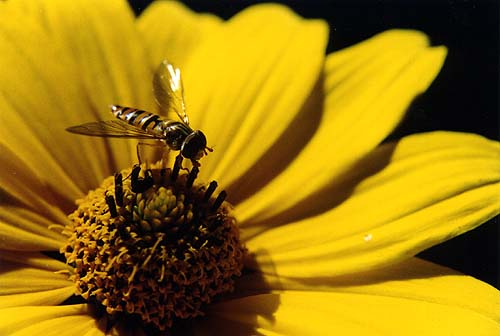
point(175, 133)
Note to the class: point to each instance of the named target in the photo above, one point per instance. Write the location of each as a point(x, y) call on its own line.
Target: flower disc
point(161, 254)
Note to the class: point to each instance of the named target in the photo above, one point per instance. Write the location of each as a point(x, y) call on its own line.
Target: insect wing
point(168, 90)
point(111, 128)
point(152, 152)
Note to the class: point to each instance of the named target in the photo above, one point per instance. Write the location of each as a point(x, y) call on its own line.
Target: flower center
point(153, 244)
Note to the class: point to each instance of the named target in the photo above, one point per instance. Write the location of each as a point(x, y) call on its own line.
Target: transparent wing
point(111, 128)
point(151, 153)
point(168, 90)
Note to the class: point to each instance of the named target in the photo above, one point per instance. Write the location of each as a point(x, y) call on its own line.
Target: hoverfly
point(139, 124)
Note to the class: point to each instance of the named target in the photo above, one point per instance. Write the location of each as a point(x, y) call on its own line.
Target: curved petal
point(109, 55)
point(18, 184)
point(330, 313)
point(412, 279)
point(247, 81)
point(90, 64)
point(24, 230)
point(367, 92)
point(400, 200)
point(19, 139)
point(59, 320)
point(31, 279)
point(39, 298)
point(171, 30)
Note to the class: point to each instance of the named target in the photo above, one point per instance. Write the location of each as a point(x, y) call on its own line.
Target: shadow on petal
point(411, 269)
point(284, 150)
point(331, 195)
point(227, 317)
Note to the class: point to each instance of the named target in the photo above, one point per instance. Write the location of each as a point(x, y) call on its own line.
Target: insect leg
point(195, 163)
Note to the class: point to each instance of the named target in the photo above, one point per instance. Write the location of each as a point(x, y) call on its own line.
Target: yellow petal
point(24, 133)
point(91, 329)
point(329, 313)
point(47, 320)
point(15, 238)
point(368, 88)
point(33, 260)
point(108, 50)
point(90, 64)
point(66, 325)
point(20, 184)
point(413, 279)
point(400, 200)
point(246, 82)
point(30, 279)
point(171, 31)
point(39, 298)
point(22, 229)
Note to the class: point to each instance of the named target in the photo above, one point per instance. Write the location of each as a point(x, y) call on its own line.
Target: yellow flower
point(331, 218)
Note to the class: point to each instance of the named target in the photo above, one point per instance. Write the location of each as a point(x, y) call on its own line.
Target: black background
point(463, 98)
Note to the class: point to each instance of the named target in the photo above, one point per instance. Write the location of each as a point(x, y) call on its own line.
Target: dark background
point(463, 98)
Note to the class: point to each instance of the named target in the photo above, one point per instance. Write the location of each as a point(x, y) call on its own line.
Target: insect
point(139, 124)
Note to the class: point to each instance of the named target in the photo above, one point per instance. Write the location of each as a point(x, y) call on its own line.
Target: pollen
point(155, 245)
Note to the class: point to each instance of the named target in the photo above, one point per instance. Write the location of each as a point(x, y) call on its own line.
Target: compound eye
point(194, 145)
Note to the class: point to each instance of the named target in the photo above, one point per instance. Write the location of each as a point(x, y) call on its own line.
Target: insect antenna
point(209, 149)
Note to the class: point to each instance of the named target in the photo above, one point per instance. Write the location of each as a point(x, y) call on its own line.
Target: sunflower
point(321, 223)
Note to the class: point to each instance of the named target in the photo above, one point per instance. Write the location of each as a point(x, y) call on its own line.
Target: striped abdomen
point(173, 132)
point(147, 121)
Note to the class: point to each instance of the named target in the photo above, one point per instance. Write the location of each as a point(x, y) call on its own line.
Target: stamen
point(110, 200)
point(148, 258)
point(210, 190)
point(219, 200)
point(192, 176)
point(119, 189)
point(131, 278)
point(177, 168)
point(163, 172)
point(141, 184)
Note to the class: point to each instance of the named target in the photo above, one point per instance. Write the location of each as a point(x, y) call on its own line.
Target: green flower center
point(156, 246)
